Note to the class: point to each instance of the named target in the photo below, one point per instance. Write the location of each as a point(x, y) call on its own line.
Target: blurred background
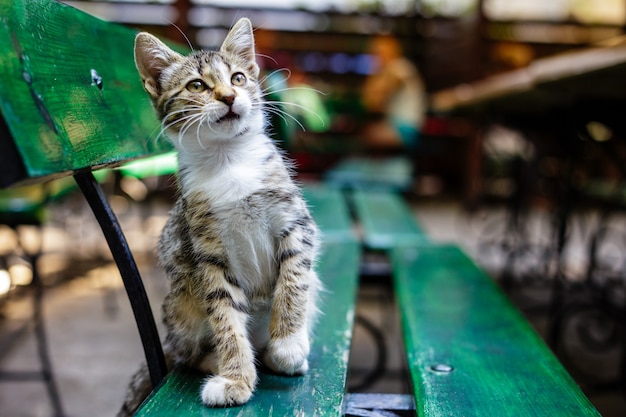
point(327, 45)
point(524, 170)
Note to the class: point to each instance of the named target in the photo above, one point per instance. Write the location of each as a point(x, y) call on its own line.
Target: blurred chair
point(27, 206)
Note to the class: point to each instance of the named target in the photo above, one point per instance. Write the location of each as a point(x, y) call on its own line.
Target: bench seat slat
point(320, 392)
point(386, 220)
point(391, 174)
point(328, 207)
point(454, 315)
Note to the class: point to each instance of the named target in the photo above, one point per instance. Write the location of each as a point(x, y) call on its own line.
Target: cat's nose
point(225, 97)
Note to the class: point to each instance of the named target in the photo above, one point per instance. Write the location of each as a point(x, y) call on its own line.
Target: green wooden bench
point(386, 220)
point(470, 352)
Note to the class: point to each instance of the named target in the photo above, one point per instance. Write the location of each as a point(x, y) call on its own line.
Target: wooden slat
point(390, 174)
point(328, 207)
point(69, 91)
point(318, 393)
point(386, 220)
point(453, 315)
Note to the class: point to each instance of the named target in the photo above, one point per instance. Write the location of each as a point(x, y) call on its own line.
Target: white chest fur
point(226, 172)
point(227, 177)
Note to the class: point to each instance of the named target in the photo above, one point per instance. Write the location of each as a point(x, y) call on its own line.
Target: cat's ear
point(151, 57)
point(240, 43)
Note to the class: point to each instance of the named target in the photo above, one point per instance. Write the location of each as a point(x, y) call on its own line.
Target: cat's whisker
point(268, 57)
point(277, 104)
point(189, 100)
point(266, 91)
point(171, 119)
point(198, 138)
point(296, 105)
point(189, 109)
point(168, 101)
point(164, 123)
point(182, 33)
point(283, 114)
point(165, 126)
point(210, 126)
point(188, 123)
point(162, 132)
point(187, 105)
point(183, 110)
point(266, 77)
point(155, 137)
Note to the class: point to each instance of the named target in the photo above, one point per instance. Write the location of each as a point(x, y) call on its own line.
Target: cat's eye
point(196, 86)
point(238, 79)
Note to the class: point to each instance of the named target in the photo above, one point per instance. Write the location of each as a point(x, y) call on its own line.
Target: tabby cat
point(239, 245)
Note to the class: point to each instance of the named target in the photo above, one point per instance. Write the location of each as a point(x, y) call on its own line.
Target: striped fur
point(239, 247)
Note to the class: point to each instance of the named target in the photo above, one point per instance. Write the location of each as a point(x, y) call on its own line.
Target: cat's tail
point(138, 390)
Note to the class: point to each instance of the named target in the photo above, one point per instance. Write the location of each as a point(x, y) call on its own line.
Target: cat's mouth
point(231, 115)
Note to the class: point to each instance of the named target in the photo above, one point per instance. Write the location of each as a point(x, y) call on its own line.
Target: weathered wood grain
point(470, 352)
point(69, 92)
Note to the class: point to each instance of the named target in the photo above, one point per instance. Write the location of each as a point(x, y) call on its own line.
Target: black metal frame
point(96, 198)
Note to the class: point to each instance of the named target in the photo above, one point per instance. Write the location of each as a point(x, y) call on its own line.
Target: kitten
point(240, 245)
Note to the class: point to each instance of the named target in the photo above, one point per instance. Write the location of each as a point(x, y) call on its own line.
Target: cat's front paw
point(288, 355)
point(223, 392)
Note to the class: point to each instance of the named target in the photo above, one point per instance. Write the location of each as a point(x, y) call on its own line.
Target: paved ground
point(93, 341)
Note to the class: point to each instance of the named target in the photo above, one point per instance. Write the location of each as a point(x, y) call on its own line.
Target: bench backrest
point(70, 96)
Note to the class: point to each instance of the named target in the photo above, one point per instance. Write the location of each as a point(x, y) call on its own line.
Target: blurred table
point(570, 82)
point(557, 96)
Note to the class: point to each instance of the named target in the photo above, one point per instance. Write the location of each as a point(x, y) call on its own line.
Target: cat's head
point(208, 95)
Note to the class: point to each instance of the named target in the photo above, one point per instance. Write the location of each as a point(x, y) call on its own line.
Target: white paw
point(288, 355)
point(223, 392)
